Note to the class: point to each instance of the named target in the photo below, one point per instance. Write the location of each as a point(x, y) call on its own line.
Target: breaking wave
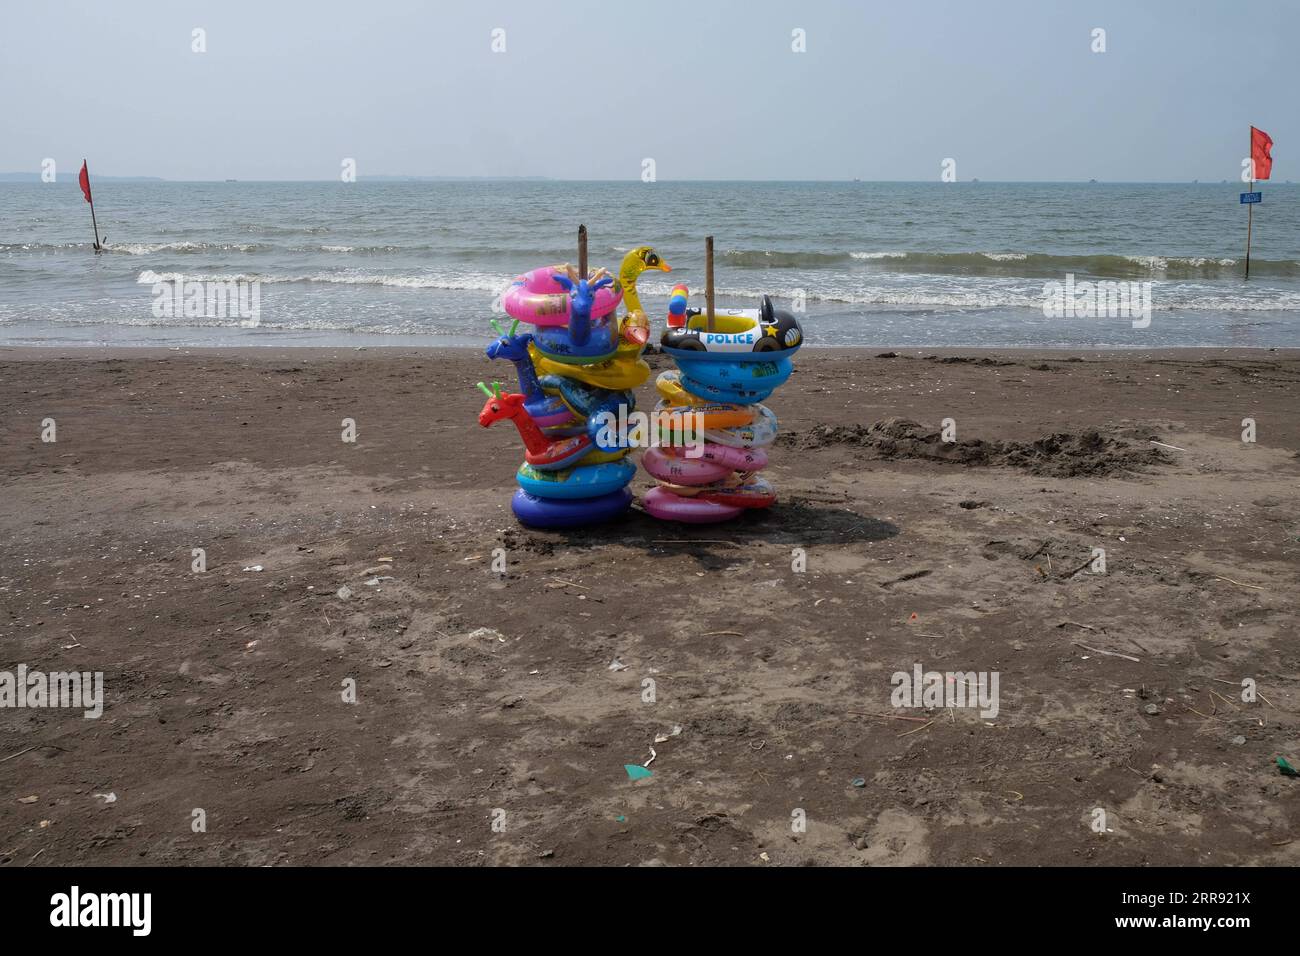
point(1032, 264)
point(467, 282)
point(966, 292)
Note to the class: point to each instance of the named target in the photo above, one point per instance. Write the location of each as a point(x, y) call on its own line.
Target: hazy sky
point(710, 89)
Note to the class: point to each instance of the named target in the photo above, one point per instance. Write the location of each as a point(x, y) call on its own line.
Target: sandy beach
point(518, 699)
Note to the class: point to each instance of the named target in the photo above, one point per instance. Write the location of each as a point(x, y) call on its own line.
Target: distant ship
point(232, 180)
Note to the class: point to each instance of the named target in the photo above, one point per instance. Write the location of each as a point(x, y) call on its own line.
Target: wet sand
point(478, 692)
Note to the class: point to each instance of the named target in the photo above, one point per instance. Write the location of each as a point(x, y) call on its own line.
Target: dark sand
point(479, 693)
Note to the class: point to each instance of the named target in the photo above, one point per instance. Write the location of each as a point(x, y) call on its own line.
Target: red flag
point(1261, 153)
point(84, 178)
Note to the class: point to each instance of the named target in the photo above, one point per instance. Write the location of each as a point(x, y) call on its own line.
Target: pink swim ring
point(536, 297)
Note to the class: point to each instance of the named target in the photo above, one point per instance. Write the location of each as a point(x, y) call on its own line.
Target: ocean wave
point(41, 246)
point(470, 282)
point(361, 250)
point(773, 259)
point(1165, 296)
point(262, 229)
point(149, 248)
point(1033, 264)
point(996, 264)
point(134, 248)
point(966, 292)
point(326, 323)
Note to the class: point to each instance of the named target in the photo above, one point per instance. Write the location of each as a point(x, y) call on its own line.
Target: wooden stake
point(708, 280)
point(582, 252)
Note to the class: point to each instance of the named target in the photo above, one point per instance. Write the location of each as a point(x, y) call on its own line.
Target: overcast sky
point(709, 89)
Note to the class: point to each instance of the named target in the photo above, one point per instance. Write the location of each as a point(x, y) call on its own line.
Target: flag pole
point(708, 282)
point(90, 199)
point(1250, 207)
point(1250, 217)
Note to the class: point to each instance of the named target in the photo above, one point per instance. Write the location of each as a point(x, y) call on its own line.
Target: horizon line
point(13, 177)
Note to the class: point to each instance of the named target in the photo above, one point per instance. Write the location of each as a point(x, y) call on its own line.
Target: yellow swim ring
point(598, 457)
point(617, 373)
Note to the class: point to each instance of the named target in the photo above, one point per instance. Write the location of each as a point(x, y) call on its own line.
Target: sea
point(901, 265)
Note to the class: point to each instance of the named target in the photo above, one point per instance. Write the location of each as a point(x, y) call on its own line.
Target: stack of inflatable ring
point(574, 365)
point(724, 377)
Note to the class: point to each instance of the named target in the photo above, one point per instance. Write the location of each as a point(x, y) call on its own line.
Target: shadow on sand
point(797, 523)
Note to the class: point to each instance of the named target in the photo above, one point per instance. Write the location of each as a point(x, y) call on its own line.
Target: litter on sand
point(662, 736)
point(637, 772)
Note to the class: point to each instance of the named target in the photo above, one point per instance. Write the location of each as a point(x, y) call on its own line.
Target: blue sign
point(1251, 197)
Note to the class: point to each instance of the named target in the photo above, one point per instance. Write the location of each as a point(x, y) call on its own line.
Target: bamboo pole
point(708, 281)
point(582, 252)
